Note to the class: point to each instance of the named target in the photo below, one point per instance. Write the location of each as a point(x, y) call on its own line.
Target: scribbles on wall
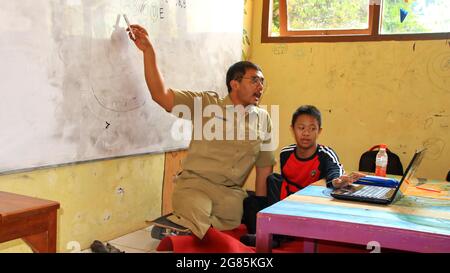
point(441, 114)
point(435, 146)
point(303, 54)
point(391, 92)
point(362, 50)
point(245, 44)
point(438, 70)
point(246, 32)
point(443, 119)
point(402, 148)
point(428, 122)
point(366, 58)
point(299, 53)
point(440, 119)
point(426, 75)
point(280, 49)
point(332, 78)
point(390, 117)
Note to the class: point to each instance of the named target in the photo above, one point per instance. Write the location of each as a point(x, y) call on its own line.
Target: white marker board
point(72, 83)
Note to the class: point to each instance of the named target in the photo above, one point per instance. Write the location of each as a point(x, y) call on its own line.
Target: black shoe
point(113, 249)
point(250, 240)
point(158, 233)
point(99, 247)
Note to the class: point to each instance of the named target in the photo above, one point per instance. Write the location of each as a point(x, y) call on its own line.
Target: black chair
point(367, 162)
point(448, 176)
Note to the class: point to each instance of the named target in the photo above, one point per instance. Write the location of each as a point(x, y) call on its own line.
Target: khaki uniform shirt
point(227, 155)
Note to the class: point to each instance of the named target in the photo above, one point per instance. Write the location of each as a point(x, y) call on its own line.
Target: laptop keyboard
point(371, 192)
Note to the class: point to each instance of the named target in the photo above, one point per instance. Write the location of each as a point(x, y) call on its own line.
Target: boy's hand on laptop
point(357, 175)
point(346, 180)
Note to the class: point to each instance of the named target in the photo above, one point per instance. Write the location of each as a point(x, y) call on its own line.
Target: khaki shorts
point(198, 204)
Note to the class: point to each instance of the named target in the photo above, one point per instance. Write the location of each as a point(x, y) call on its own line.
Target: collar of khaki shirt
point(228, 105)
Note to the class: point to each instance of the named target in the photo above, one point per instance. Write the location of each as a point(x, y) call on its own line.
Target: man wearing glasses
point(209, 190)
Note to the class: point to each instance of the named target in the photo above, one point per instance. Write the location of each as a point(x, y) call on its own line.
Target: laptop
point(380, 194)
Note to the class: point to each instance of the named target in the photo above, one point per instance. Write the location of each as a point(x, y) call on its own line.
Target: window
point(354, 20)
point(421, 16)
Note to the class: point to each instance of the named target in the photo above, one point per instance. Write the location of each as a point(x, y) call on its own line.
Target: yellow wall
point(247, 30)
point(91, 208)
point(368, 92)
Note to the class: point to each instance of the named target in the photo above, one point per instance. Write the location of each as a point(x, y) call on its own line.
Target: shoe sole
point(166, 223)
point(161, 232)
point(158, 232)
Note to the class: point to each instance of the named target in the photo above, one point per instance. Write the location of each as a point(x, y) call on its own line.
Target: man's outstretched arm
point(153, 77)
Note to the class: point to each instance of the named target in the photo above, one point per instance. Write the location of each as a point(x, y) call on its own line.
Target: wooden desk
point(413, 223)
point(32, 219)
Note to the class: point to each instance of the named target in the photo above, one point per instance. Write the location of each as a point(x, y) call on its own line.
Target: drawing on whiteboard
point(117, 86)
point(73, 86)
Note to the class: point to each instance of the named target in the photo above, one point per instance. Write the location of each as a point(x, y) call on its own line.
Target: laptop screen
point(411, 169)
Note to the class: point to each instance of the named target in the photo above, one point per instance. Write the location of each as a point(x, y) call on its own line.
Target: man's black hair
point(307, 110)
point(237, 71)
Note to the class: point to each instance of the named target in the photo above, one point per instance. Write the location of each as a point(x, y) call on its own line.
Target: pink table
point(412, 223)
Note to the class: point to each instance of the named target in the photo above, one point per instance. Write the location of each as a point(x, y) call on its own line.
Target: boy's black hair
point(237, 71)
point(310, 110)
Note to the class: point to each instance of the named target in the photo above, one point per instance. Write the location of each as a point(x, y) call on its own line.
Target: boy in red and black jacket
point(301, 164)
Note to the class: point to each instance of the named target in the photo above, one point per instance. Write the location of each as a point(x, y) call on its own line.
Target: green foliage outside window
point(327, 14)
point(424, 16)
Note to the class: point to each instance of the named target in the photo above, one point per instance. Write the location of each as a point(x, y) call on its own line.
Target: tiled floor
point(136, 242)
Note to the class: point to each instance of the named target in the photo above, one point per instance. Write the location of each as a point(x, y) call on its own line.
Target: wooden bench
point(31, 219)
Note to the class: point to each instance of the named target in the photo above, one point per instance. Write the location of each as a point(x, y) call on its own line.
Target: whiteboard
point(72, 83)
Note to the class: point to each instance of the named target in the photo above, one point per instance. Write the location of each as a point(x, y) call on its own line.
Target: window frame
point(359, 35)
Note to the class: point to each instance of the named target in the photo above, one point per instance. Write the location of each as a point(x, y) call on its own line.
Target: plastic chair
point(367, 162)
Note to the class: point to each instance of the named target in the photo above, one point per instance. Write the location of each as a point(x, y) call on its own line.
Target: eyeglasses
point(255, 79)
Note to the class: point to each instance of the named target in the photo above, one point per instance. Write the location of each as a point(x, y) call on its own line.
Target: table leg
point(263, 242)
point(309, 246)
point(44, 242)
point(52, 229)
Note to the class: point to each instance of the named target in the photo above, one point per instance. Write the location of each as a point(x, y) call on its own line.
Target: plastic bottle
point(381, 161)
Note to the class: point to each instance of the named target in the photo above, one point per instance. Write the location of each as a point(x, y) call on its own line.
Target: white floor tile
point(87, 250)
point(128, 249)
point(136, 242)
point(121, 248)
point(140, 239)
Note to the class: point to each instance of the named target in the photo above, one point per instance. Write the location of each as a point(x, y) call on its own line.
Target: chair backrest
point(448, 176)
point(367, 162)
